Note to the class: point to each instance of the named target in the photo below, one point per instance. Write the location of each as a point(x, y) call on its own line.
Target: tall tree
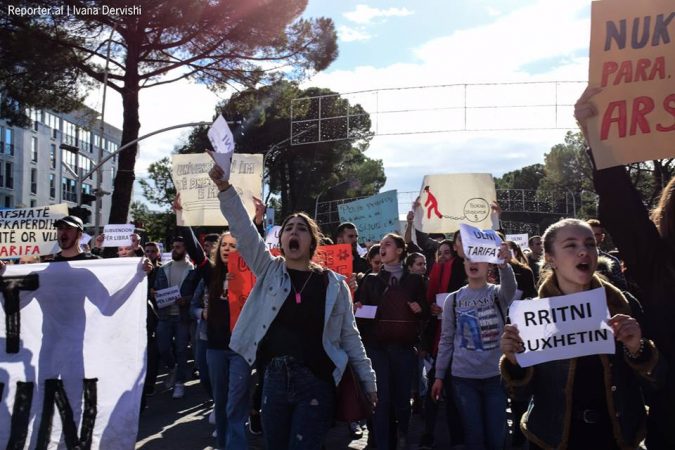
point(216, 42)
point(301, 173)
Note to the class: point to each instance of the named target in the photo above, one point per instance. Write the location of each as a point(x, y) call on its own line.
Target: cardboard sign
point(520, 239)
point(198, 194)
point(82, 339)
point(447, 200)
point(118, 235)
point(480, 245)
point(167, 297)
point(239, 285)
point(563, 327)
point(30, 231)
point(632, 57)
point(374, 216)
point(337, 258)
point(272, 238)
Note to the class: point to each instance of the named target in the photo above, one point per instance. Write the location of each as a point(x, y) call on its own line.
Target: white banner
point(82, 340)
point(118, 235)
point(198, 194)
point(480, 245)
point(520, 239)
point(446, 200)
point(563, 327)
point(30, 231)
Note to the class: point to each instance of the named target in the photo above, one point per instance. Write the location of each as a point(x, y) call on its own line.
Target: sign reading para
point(563, 327)
point(30, 231)
point(167, 297)
point(632, 54)
point(374, 216)
point(118, 235)
point(480, 245)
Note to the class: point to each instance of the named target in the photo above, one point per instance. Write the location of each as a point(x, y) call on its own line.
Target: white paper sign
point(223, 144)
point(269, 213)
point(520, 239)
point(366, 312)
point(166, 257)
point(480, 245)
point(362, 251)
point(440, 298)
point(82, 328)
point(118, 235)
point(563, 327)
point(272, 238)
point(84, 240)
point(167, 297)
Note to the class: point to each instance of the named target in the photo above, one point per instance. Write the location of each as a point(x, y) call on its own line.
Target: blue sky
point(396, 44)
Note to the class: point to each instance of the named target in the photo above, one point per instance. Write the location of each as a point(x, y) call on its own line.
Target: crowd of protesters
point(272, 362)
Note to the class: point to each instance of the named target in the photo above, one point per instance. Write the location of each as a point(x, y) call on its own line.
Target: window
point(70, 159)
point(68, 189)
point(9, 142)
point(33, 181)
point(33, 203)
point(85, 140)
point(34, 149)
point(9, 175)
point(52, 156)
point(85, 165)
point(8, 201)
point(52, 122)
point(69, 133)
point(35, 116)
point(52, 185)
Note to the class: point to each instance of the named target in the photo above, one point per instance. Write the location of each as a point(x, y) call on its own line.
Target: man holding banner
point(585, 389)
point(68, 233)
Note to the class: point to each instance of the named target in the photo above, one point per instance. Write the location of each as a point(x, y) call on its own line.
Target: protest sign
point(198, 194)
point(520, 239)
point(269, 217)
point(480, 245)
point(222, 142)
point(374, 216)
point(84, 240)
point(337, 258)
point(239, 285)
point(118, 235)
point(82, 340)
point(563, 327)
point(166, 257)
point(272, 237)
point(447, 200)
point(632, 55)
point(167, 297)
point(30, 231)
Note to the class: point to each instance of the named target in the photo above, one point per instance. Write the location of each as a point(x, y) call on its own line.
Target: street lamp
point(352, 184)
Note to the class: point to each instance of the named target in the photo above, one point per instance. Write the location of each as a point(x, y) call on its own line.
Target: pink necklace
point(298, 294)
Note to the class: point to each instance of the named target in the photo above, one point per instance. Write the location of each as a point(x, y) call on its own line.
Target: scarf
point(396, 271)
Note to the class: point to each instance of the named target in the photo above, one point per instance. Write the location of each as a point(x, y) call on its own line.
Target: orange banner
point(239, 285)
point(337, 258)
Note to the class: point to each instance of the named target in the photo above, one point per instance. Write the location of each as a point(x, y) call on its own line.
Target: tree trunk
point(124, 180)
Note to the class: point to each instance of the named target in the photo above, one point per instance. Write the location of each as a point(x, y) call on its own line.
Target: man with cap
point(68, 234)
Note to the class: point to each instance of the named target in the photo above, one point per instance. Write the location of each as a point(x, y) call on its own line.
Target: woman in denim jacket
point(592, 401)
point(298, 318)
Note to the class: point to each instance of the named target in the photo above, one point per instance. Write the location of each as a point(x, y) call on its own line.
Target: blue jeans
point(394, 366)
point(168, 329)
point(482, 408)
point(297, 407)
point(230, 378)
point(203, 365)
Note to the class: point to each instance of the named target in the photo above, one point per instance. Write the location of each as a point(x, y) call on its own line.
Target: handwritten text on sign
point(118, 235)
point(563, 327)
point(374, 216)
point(480, 245)
point(632, 58)
point(29, 231)
point(167, 297)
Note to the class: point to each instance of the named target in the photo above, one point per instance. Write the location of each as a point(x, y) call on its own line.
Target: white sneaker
point(170, 379)
point(212, 417)
point(178, 390)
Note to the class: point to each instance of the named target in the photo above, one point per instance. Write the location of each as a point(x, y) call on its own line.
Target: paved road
point(168, 424)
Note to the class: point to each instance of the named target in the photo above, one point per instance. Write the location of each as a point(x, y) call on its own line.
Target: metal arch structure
point(546, 105)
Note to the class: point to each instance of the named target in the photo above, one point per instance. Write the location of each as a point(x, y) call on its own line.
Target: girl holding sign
point(473, 318)
point(592, 401)
point(299, 319)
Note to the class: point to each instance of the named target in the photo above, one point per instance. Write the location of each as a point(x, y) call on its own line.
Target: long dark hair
point(218, 275)
point(314, 231)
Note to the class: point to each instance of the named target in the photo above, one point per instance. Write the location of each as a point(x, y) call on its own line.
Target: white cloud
point(349, 34)
point(364, 14)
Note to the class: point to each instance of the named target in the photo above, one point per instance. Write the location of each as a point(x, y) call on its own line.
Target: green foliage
point(528, 178)
point(300, 173)
point(158, 188)
point(159, 226)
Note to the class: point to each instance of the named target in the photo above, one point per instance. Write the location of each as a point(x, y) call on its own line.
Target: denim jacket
point(341, 339)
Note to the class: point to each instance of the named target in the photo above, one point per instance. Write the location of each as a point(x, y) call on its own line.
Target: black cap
point(70, 221)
